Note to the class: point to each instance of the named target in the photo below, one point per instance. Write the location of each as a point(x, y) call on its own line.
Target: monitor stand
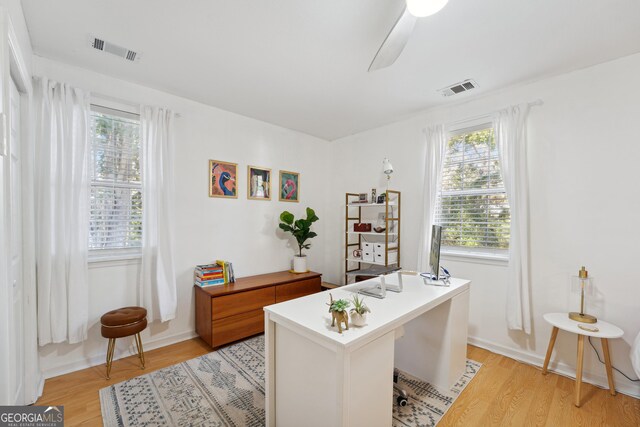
point(379, 290)
point(440, 282)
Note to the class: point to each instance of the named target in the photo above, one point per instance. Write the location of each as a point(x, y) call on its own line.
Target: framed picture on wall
point(223, 179)
point(289, 186)
point(258, 183)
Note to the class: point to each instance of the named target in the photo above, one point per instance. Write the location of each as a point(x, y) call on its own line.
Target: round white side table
point(605, 331)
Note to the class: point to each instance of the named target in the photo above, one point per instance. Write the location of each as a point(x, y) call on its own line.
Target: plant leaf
point(285, 227)
point(286, 217)
point(311, 215)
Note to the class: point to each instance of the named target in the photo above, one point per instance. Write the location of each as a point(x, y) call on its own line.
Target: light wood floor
point(504, 392)
point(509, 393)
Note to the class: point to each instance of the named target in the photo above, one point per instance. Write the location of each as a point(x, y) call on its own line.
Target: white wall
point(584, 147)
point(242, 231)
point(14, 10)
point(584, 150)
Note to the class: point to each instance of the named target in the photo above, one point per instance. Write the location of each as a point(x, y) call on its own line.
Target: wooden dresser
point(228, 313)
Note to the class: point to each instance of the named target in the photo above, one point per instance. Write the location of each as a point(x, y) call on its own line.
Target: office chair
point(403, 397)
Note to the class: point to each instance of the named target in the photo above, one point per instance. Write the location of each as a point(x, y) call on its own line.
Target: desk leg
point(579, 368)
point(270, 371)
point(434, 345)
point(552, 342)
point(607, 362)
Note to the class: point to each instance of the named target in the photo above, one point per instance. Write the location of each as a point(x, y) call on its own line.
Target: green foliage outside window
point(116, 197)
point(473, 207)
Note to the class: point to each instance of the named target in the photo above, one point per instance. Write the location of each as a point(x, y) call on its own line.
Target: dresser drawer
point(297, 289)
point(241, 302)
point(237, 327)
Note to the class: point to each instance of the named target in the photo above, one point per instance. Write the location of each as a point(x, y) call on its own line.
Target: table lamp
point(583, 281)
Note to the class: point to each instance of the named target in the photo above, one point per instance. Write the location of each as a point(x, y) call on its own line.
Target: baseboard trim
point(99, 359)
point(622, 385)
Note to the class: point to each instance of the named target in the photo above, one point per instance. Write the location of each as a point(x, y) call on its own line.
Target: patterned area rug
point(428, 404)
point(226, 388)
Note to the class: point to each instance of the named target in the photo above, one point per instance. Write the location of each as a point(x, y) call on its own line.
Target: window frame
point(490, 256)
point(119, 255)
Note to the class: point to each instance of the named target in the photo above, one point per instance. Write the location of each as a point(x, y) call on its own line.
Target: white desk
point(318, 377)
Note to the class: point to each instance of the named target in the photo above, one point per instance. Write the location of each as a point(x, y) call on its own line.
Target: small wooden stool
point(121, 323)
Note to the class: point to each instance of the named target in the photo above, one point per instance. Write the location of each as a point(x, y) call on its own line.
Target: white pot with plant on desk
point(301, 230)
point(359, 311)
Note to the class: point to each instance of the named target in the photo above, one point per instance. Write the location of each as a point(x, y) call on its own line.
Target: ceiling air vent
point(114, 49)
point(458, 88)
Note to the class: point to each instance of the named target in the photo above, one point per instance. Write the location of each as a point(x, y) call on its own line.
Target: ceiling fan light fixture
point(422, 8)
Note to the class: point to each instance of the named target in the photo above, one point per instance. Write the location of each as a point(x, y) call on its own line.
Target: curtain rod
point(116, 100)
point(120, 101)
point(114, 109)
point(534, 103)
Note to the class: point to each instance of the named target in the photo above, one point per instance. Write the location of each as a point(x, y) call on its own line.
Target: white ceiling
point(302, 64)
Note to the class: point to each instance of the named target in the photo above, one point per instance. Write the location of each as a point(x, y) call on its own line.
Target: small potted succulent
point(359, 311)
point(338, 310)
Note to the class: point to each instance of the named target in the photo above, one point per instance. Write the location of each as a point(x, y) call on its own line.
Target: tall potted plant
point(301, 230)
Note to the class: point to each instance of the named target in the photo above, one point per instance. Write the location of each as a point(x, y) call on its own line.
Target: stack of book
point(219, 273)
point(227, 268)
point(209, 275)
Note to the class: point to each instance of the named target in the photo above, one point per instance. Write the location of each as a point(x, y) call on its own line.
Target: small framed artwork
point(258, 183)
point(222, 179)
point(289, 186)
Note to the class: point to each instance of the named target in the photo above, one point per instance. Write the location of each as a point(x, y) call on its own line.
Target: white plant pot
point(358, 319)
point(300, 264)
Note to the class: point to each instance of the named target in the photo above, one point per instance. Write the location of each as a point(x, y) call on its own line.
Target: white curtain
point(62, 211)
point(511, 140)
point(157, 290)
point(436, 143)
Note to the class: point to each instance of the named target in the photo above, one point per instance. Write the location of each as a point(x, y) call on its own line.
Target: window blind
point(116, 187)
point(472, 205)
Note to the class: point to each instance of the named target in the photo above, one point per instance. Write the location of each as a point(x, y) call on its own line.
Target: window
point(472, 205)
point(115, 225)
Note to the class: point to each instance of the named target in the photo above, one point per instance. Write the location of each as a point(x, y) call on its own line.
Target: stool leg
point(579, 368)
point(552, 342)
point(607, 363)
point(140, 349)
point(110, 349)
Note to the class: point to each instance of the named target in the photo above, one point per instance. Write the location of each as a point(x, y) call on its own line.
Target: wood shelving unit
point(354, 239)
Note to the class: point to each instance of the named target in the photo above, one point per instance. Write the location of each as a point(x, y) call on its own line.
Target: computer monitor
point(434, 253)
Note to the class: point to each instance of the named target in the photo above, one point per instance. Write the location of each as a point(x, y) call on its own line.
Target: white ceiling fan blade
point(393, 45)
